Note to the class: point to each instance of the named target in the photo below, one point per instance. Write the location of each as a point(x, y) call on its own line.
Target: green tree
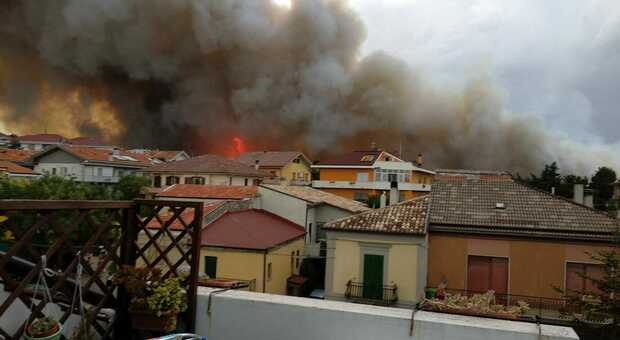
point(602, 184)
point(549, 178)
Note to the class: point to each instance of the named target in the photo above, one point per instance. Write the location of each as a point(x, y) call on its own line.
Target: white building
point(86, 164)
point(308, 207)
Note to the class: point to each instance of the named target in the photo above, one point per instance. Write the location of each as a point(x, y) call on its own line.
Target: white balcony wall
point(247, 315)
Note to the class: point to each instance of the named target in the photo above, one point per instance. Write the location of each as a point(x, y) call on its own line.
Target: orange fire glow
point(239, 145)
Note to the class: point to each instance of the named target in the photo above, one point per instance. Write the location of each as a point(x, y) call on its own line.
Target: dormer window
point(368, 158)
point(296, 160)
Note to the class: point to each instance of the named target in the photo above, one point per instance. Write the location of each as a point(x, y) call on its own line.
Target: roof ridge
point(379, 209)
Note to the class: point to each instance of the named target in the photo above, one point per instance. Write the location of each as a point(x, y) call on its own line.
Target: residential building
point(13, 171)
point(86, 164)
point(164, 156)
point(8, 140)
point(490, 232)
point(205, 169)
point(360, 175)
point(252, 245)
point(286, 167)
point(207, 193)
point(379, 256)
point(308, 207)
point(38, 142)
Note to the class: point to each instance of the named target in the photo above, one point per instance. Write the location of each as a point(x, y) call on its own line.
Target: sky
point(559, 60)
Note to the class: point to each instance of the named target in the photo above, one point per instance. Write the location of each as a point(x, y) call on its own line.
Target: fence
point(101, 236)
point(374, 294)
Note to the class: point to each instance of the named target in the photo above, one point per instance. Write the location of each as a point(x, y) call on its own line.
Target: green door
point(373, 277)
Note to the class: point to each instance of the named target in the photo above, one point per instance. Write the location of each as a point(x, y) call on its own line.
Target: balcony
point(403, 186)
point(384, 295)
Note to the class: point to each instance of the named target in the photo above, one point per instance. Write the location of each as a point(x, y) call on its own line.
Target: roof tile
point(316, 196)
point(209, 191)
point(209, 164)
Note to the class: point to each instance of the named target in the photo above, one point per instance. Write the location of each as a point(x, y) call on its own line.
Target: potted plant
point(44, 328)
point(155, 303)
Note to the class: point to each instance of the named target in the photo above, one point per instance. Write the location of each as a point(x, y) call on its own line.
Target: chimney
point(578, 193)
point(256, 166)
point(419, 160)
point(373, 146)
point(382, 200)
point(552, 190)
point(393, 195)
point(588, 200)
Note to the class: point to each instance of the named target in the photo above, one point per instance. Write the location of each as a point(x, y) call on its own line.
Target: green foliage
point(149, 293)
point(603, 185)
point(549, 178)
point(58, 188)
point(374, 201)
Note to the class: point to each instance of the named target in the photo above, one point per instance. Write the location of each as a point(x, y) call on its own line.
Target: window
point(486, 273)
point(310, 232)
point(305, 176)
point(63, 171)
point(99, 172)
point(575, 282)
point(245, 182)
point(368, 158)
point(230, 180)
point(362, 177)
point(188, 180)
point(53, 171)
point(269, 271)
point(297, 259)
point(195, 180)
point(211, 266)
point(293, 262)
point(296, 160)
point(360, 197)
point(157, 181)
point(171, 180)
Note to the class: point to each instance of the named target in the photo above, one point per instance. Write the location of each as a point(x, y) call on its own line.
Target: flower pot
point(53, 334)
point(146, 321)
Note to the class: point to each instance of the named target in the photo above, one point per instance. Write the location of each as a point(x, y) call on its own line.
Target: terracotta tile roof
point(15, 169)
point(250, 229)
point(316, 196)
point(87, 141)
point(42, 137)
point(494, 203)
point(123, 157)
point(353, 158)
point(234, 192)
point(209, 164)
point(15, 155)
point(270, 159)
point(408, 217)
point(187, 215)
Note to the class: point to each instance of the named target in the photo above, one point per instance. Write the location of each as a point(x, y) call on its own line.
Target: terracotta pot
point(150, 322)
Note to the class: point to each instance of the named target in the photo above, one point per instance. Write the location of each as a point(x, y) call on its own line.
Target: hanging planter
point(43, 329)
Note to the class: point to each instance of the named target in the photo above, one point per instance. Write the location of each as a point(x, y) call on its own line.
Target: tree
point(549, 178)
point(603, 186)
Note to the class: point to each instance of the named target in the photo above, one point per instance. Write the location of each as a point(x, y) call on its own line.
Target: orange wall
point(349, 193)
point(535, 266)
point(343, 174)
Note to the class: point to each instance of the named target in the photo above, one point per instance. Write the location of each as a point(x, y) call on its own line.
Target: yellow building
point(379, 256)
point(252, 245)
point(360, 175)
point(287, 167)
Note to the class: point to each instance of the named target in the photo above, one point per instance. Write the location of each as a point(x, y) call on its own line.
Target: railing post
point(129, 236)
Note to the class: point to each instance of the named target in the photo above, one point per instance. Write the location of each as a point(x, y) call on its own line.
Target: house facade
point(360, 175)
point(38, 142)
point(205, 170)
point(285, 167)
point(489, 232)
point(379, 256)
point(14, 171)
point(86, 164)
point(252, 245)
point(308, 207)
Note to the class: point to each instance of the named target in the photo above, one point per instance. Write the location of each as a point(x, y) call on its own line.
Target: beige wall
point(404, 258)
point(209, 179)
point(250, 265)
point(535, 266)
point(290, 168)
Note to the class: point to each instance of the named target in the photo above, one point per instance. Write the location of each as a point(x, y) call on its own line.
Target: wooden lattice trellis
point(106, 234)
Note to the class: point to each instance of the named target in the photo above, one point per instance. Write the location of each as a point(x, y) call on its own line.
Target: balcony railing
point(372, 294)
point(542, 307)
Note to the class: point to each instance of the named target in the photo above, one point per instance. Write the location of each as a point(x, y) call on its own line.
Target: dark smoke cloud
point(195, 73)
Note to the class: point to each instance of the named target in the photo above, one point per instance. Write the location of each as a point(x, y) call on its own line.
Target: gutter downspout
point(264, 269)
point(306, 226)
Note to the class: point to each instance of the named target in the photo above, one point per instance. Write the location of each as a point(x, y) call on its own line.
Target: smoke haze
point(195, 74)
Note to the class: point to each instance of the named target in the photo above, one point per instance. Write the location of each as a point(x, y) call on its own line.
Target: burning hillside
point(197, 73)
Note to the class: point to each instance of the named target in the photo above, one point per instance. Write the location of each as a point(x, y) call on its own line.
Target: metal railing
point(372, 294)
point(543, 307)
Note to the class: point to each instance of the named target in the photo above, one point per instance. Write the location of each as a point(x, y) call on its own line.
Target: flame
point(239, 145)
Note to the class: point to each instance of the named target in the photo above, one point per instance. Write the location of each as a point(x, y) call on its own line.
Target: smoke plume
point(196, 74)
